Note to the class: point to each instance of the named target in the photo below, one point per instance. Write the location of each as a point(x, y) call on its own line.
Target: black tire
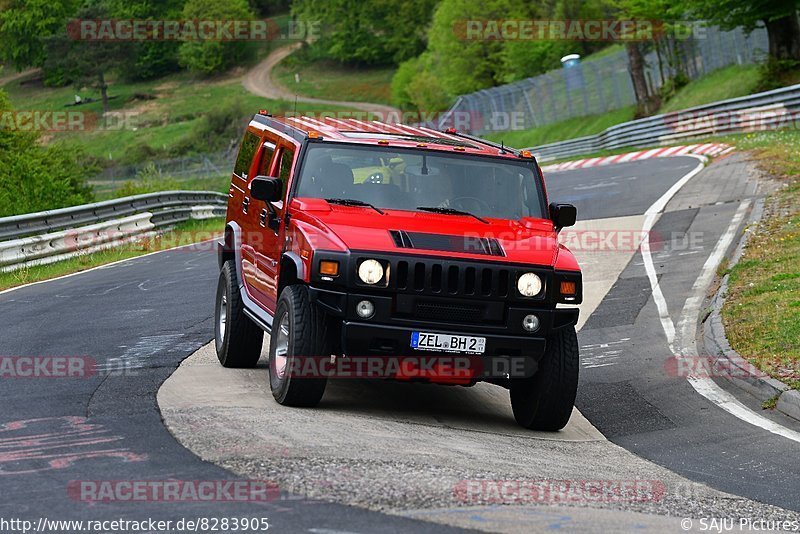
point(545, 400)
point(238, 339)
point(306, 336)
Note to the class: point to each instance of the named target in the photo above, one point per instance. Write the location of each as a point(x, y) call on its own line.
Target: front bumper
point(510, 352)
point(444, 296)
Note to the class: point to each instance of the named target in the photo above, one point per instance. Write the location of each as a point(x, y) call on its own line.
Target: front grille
point(453, 313)
point(448, 278)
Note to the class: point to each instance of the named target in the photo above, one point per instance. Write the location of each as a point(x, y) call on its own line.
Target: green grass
point(186, 233)
point(333, 81)
point(730, 82)
point(559, 131)
point(762, 312)
point(180, 100)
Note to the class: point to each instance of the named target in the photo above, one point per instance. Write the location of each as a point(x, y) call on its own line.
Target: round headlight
point(529, 285)
point(370, 271)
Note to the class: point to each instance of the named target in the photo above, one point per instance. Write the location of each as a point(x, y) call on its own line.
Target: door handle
point(246, 204)
point(262, 217)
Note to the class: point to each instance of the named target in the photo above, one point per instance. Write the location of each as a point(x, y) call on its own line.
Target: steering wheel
point(482, 205)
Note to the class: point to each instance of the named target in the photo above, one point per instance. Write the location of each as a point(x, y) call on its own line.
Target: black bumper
point(388, 332)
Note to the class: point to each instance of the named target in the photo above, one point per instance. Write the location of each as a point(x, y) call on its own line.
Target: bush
point(211, 57)
point(35, 178)
point(402, 78)
point(216, 130)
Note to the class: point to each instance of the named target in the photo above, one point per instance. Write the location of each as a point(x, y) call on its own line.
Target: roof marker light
point(314, 135)
point(421, 145)
point(264, 112)
point(451, 131)
point(459, 148)
point(525, 154)
point(383, 142)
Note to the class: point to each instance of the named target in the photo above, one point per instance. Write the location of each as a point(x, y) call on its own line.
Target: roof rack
point(482, 141)
point(269, 120)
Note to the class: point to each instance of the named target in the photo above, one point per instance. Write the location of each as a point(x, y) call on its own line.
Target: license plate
point(448, 342)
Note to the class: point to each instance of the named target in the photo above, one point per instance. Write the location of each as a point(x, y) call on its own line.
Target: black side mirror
point(563, 215)
point(266, 188)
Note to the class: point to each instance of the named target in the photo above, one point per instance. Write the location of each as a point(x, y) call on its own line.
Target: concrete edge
point(740, 372)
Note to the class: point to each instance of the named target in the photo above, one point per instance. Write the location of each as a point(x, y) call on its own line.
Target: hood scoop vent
point(488, 246)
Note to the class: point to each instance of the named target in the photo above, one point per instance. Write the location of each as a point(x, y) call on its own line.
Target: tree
point(209, 57)
point(368, 32)
point(84, 62)
point(24, 24)
point(779, 18)
point(36, 178)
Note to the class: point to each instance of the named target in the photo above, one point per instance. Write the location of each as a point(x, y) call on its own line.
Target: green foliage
point(35, 178)
point(149, 59)
point(453, 64)
point(775, 73)
point(211, 57)
point(23, 25)
point(86, 63)
point(732, 13)
point(369, 32)
point(405, 74)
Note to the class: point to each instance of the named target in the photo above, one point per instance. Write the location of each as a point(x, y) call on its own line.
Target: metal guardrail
point(769, 110)
point(49, 236)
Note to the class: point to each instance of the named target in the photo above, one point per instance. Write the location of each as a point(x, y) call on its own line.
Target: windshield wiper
point(352, 202)
point(451, 211)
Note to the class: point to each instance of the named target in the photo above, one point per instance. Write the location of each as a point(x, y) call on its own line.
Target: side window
point(246, 153)
point(286, 165)
point(266, 158)
point(285, 168)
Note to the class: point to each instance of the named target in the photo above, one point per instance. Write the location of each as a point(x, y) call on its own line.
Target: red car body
point(277, 244)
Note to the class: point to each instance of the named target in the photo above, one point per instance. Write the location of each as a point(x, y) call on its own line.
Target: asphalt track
point(141, 318)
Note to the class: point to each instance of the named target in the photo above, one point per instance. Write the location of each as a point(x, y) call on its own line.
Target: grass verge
point(560, 131)
point(331, 80)
point(762, 311)
point(722, 84)
point(193, 231)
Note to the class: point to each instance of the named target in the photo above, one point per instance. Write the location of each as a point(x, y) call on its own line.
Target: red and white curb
point(709, 149)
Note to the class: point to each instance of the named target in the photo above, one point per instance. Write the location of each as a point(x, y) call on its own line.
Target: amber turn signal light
point(568, 288)
point(329, 268)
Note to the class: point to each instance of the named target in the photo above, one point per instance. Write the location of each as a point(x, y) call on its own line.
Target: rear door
point(258, 236)
point(241, 210)
point(271, 224)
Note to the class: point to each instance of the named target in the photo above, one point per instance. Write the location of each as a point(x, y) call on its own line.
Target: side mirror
point(563, 215)
point(266, 188)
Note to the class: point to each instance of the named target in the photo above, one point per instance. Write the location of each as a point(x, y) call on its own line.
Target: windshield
point(392, 178)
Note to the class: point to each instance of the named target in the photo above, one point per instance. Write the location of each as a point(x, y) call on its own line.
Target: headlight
point(370, 271)
point(529, 285)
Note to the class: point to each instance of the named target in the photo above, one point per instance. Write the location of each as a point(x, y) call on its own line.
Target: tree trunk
point(645, 103)
point(784, 37)
point(101, 79)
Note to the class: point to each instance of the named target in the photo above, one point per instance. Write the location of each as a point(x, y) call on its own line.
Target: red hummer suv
point(414, 253)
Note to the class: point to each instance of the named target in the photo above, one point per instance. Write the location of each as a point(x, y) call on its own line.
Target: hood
point(530, 241)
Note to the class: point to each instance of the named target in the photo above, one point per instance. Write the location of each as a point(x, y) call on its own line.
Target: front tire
point(545, 400)
point(238, 340)
point(299, 334)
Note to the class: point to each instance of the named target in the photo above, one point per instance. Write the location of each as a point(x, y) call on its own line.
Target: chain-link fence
point(600, 85)
point(198, 168)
